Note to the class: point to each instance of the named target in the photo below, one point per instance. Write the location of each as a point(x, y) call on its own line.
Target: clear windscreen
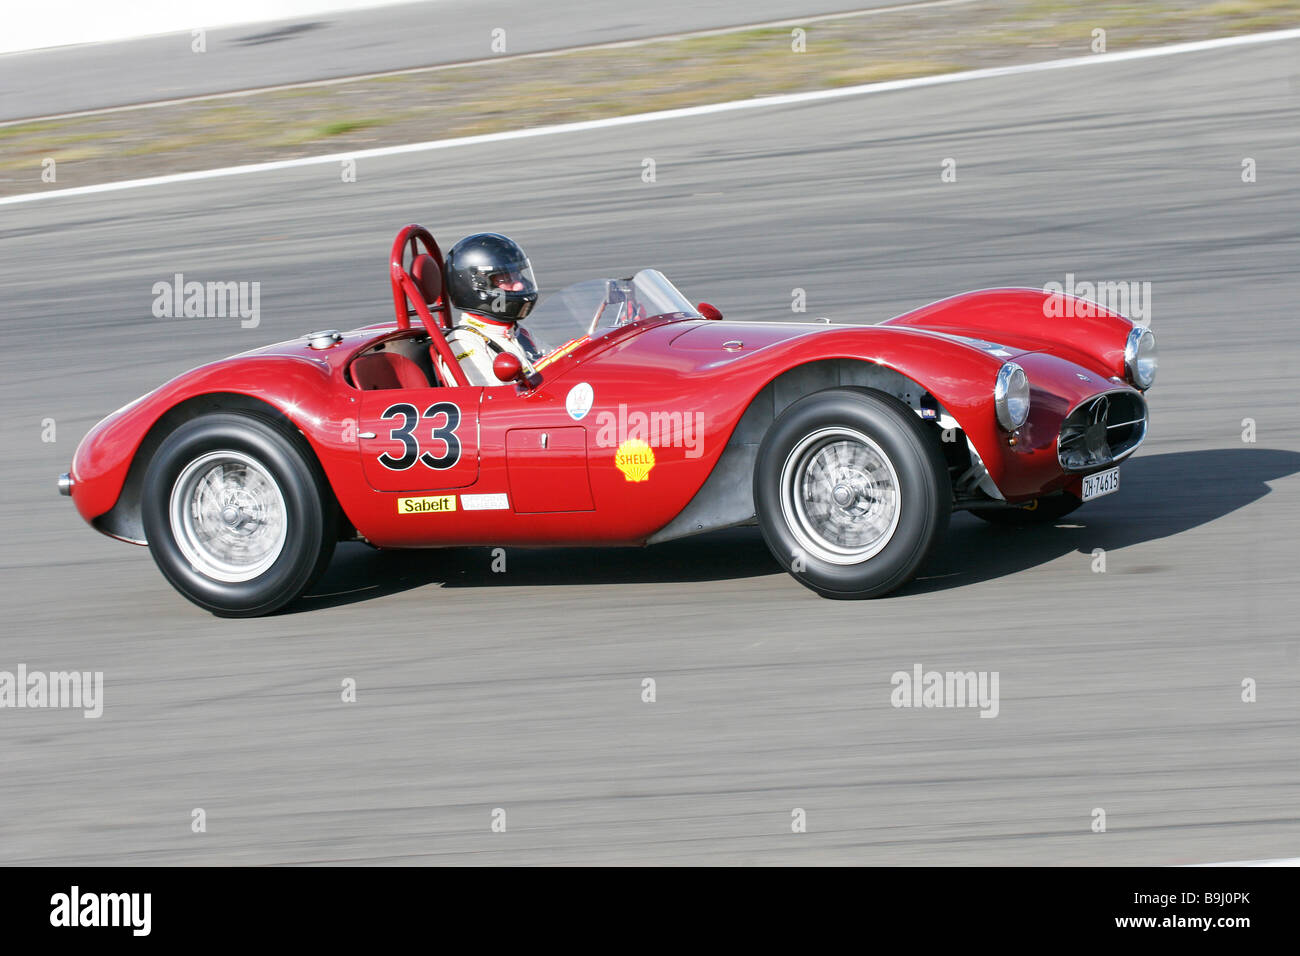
point(598, 306)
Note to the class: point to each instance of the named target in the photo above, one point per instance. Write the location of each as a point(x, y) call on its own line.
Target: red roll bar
point(409, 297)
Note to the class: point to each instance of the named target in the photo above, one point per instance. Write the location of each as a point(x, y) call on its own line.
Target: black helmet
point(489, 274)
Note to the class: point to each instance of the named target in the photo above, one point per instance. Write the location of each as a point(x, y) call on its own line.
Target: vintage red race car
point(849, 445)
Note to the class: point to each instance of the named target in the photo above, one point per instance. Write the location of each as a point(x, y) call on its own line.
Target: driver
point(490, 280)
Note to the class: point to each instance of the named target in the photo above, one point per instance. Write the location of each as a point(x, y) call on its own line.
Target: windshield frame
point(588, 311)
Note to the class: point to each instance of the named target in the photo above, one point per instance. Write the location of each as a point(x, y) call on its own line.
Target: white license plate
point(1102, 483)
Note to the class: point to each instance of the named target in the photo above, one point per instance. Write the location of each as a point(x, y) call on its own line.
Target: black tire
point(922, 499)
point(273, 457)
point(1046, 510)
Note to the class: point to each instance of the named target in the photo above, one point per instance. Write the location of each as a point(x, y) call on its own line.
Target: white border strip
point(760, 102)
point(1293, 861)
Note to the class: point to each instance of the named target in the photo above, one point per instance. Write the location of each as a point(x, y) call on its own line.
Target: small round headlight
point(1140, 360)
point(1011, 396)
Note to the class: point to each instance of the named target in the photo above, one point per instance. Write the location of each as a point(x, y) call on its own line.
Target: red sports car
point(647, 419)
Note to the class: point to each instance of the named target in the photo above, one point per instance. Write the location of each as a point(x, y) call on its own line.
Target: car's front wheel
point(237, 514)
point(851, 492)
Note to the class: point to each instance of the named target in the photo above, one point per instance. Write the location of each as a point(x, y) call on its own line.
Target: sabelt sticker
point(498, 502)
point(634, 459)
point(426, 505)
point(579, 400)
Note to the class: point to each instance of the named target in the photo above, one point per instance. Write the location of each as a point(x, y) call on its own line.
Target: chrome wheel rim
point(840, 495)
point(228, 516)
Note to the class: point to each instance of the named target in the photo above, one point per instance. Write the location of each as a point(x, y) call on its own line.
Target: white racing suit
point(476, 341)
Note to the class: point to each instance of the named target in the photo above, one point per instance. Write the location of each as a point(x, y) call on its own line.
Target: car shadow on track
point(359, 573)
point(1160, 496)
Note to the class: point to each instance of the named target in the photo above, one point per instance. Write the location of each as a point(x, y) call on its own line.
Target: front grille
point(1102, 430)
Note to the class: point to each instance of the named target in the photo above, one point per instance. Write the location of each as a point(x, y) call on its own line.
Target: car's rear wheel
point(851, 492)
point(1045, 510)
point(237, 514)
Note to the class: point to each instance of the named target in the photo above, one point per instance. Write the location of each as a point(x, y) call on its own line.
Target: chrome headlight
point(1011, 396)
point(1140, 360)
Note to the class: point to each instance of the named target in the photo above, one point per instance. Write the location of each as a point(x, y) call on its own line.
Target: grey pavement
point(95, 76)
point(1119, 690)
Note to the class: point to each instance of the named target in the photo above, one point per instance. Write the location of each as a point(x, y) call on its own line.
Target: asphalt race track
point(93, 76)
point(476, 690)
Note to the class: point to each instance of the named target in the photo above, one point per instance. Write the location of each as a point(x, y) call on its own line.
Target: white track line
point(761, 102)
point(505, 58)
point(1293, 861)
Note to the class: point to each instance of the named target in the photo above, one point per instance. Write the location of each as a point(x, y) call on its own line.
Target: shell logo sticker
point(634, 459)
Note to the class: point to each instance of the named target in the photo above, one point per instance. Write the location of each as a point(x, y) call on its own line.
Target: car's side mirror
point(709, 311)
point(507, 368)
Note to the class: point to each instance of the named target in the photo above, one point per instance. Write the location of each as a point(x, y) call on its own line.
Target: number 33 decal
point(405, 433)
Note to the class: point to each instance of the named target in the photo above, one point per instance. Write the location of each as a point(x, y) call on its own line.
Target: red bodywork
point(559, 476)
